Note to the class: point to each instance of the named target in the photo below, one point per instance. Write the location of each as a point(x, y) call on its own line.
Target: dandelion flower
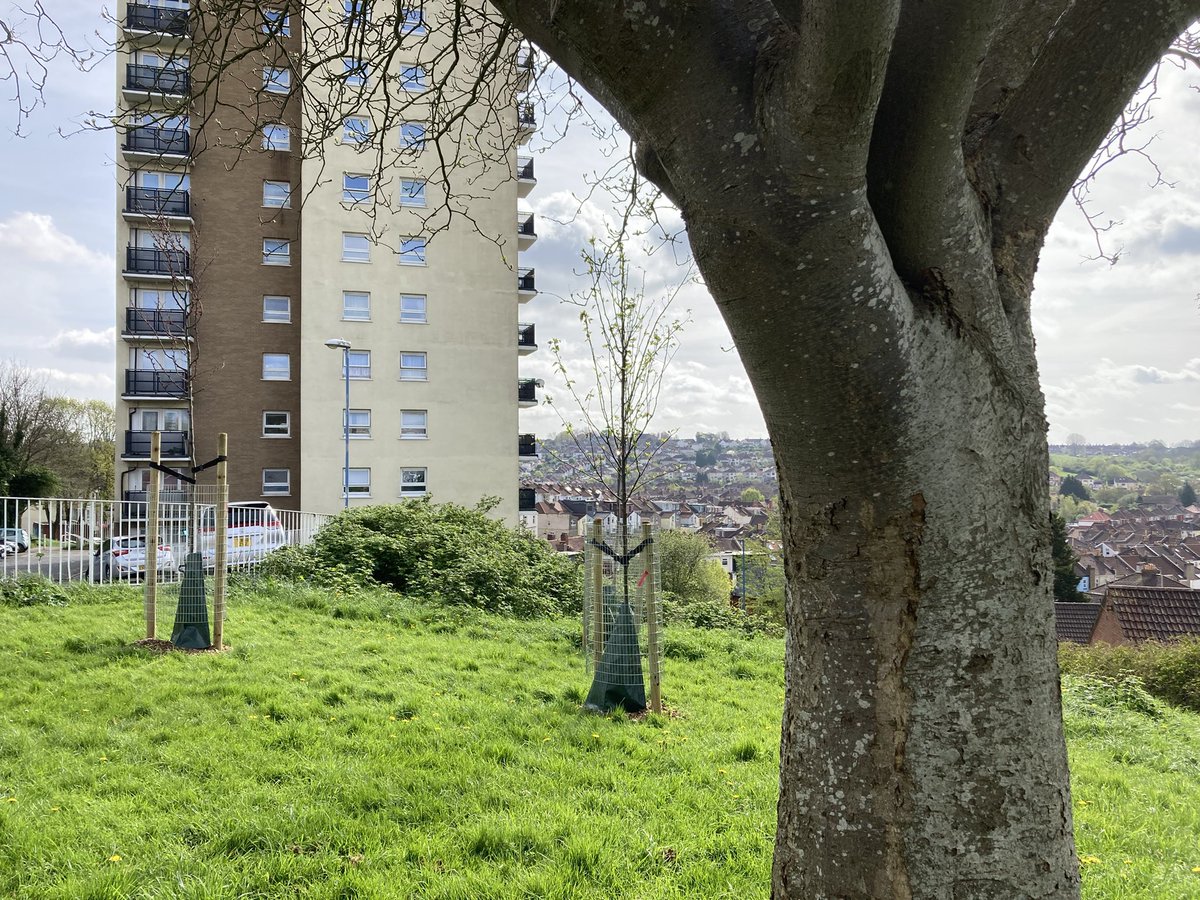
point(116, 857)
point(1196, 869)
point(1088, 860)
point(55, 808)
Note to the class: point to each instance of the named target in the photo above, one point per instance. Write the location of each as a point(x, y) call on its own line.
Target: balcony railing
point(155, 383)
point(526, 338)
point(157, 79)
point(156, 322)
point(525, 168)
point(526, 116)
point(174, 444)
point(525, 280)
point(172, 505)
point(162, 20)
point(160, 141)
point(149, 261)
point(158, 201)
point(527, 445)
point(525, 227)
point(526, 499)
point(527, 390)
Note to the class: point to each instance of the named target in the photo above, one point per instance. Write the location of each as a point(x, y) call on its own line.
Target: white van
point(253, 531)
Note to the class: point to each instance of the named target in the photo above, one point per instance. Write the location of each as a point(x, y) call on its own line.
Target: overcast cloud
point(1117, 345)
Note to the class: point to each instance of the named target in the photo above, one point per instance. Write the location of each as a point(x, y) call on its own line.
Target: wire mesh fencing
point(622, 620)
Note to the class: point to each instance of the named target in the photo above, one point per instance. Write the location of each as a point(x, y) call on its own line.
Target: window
point(414, 424)
point(277, 309)
point(276, 252)
point(360, 423)
point(276, 22)
point(277, 367)
point(412, 78)
point(414, 367)
point(356, 188)
point(412, 308)
point(356, 305)
point(357, 11)
point(356, 130)
point(412, 136)
point(277, 424)
point(412, 251)
point(354, 71)
point(156, 298)
point(277, 481)
point(276, 137)
point(412, 192)
point(359, 364)
point(277, 193)
point(355, 247)
point(412, 483)
point(414, 20)
point(358, 482)
point(276, 81)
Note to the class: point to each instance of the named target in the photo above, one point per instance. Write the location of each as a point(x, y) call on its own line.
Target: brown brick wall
point(1108, 629)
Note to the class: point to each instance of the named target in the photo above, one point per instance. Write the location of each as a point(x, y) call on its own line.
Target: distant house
point(1130, 614)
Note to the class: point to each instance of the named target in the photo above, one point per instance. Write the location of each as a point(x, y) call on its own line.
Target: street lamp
point(344, 345)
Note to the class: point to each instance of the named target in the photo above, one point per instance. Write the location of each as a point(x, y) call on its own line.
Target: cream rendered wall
point(470, 338)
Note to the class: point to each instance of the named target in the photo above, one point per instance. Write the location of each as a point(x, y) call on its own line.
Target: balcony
point(526, 181)
point(157, 323)
point(168, 80)
point(526, 233)
point(172, 505)
point(526, 289)
point(155, 383)
point(143, 261)
point(157, 202)
point(526, 339)
point(175, 445)
point(527, 445)
point(156, 20)
point(525, 66)
point(527, 392)
point(526, 499)
point(149, 140)
point(526, 123)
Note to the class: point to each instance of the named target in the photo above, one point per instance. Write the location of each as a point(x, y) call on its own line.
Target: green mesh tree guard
point(618, 680)
point(191, 615)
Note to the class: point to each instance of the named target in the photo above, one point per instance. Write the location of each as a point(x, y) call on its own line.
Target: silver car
point(125, 557)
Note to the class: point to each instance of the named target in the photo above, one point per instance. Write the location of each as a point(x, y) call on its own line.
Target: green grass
point(370, 747)
point(362, 748)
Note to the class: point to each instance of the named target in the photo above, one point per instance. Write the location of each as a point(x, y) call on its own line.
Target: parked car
point(252, 531)
point(18, 536)
point(8, 548)
point(125, 557)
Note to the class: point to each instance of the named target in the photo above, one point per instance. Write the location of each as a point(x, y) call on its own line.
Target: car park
point(125, 557)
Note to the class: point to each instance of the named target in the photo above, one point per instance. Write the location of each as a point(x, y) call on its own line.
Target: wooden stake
point(220, 574)
point(150, 575)
point(652, 623)
point(597, 595)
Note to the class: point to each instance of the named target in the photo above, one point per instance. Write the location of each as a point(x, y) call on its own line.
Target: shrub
point(441, 552)
point(31, 590)
point(1170, 672)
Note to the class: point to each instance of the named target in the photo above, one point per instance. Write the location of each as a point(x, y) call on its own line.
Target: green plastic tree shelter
point(618, 680)
point(191, 615)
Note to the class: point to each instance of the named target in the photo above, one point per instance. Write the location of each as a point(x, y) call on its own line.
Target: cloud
point(35, 237)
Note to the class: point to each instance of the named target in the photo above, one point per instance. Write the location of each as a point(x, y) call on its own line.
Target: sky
point(1118, 345)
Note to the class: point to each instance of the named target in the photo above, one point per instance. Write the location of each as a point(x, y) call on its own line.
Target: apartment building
point(269, 262)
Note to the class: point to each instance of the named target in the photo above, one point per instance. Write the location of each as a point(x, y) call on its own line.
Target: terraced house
point(318, 244)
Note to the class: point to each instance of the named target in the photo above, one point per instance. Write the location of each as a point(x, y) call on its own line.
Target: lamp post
point(344, 345)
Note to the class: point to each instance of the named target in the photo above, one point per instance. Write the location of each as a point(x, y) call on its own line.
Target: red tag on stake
point(642, 580)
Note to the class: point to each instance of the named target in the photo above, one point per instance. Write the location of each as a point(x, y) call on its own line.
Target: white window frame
point(271, 15)
point(412, 191)
point(275, 370)
point(413, 19)
point(355, 254)
point(286, 317)
point(408, 317)
point(364, 371)
point(360, 424)
point(355, 71)
point(273, 199)
point(417, 145)
point(412, 431)
point(271, 489)
point(413, 79)
point(274, 431)
point(277, 80)
point(360, 487)
point(355, 10)
point(421, 485)
point(276, 252)
point(361, 315)
point(353, 194)
point(414, 372)
point(412, 251)
point(352, 134)
point(276, 136)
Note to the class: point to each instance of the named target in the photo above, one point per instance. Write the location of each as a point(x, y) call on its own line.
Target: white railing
point(72, 540)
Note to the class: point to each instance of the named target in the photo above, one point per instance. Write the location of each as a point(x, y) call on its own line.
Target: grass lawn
point(375, 748)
